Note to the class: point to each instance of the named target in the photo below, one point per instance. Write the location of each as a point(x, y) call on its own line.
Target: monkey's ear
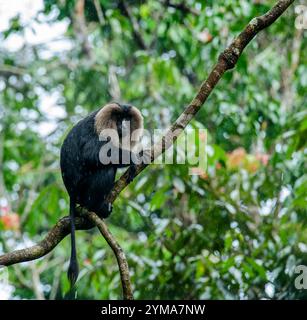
point(104, 117)
point(136, 119)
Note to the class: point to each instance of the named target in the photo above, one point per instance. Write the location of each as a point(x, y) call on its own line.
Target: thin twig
point(12, 70)
point(99, 11)
point(181, 7)
point(36, 282)
point(288, 92)
point(134, 24)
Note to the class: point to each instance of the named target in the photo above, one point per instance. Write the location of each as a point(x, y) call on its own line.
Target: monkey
point(88, 180)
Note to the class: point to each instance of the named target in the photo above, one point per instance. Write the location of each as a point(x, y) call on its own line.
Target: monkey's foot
point(132, 172)
point(105, 210)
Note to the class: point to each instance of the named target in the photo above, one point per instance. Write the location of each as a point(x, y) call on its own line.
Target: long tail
point(73, 269)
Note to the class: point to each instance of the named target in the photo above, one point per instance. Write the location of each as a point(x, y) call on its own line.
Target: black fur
point(86, 179)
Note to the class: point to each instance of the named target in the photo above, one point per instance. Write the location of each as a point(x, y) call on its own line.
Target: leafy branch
point(226, 61)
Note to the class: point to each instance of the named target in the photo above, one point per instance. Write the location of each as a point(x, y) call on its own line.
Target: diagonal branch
point(119, 253)
point(227, 60)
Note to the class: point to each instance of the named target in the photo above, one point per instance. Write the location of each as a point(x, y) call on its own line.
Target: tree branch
point(227, 60)
point(7, 70)
point(118, 251)
point(81, 28)
point(99, 11)
point(52, 239)
point(137, 35)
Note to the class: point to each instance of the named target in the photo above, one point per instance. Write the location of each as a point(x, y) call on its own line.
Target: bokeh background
point(236, 231)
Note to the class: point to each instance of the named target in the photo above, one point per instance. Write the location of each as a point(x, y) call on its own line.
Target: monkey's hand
point(131, 173)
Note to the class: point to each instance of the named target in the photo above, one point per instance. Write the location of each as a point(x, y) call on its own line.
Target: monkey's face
point(125, 119)
point(123, 127)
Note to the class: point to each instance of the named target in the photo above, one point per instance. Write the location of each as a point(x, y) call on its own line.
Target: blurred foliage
point(234, 232)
